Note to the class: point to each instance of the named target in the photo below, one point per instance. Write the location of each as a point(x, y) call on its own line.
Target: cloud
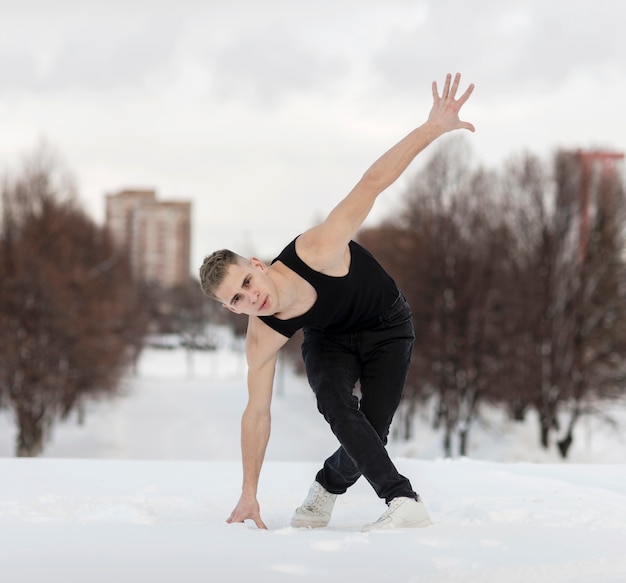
point(281, 105)
point(267, 64)
point(509, 47)
point(99, 49)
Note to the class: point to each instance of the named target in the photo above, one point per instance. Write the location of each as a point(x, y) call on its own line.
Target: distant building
point(592, 176)
point(156, 233)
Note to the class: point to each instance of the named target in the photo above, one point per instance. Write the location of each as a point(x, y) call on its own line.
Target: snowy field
point(141, 492)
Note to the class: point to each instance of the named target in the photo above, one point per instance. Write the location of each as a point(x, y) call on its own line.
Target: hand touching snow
point(247, 508)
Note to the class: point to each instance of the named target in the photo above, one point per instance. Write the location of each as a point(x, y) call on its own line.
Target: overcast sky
point(266, 112)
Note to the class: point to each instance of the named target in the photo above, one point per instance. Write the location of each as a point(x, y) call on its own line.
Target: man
point(357, 327)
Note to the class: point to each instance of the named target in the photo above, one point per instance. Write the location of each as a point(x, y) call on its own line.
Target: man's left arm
point(347, 217)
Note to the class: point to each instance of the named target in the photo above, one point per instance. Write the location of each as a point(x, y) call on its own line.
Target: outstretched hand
point(445, 110)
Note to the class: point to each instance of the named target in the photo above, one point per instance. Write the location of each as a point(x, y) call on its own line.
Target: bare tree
point(565, 304)
point(598, 306)
point(70, 313)
point(514, 302)
point(531, 357)
point(185, 311)
point(444, 250)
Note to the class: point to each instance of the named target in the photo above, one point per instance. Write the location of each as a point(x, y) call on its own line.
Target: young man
point(357, 327)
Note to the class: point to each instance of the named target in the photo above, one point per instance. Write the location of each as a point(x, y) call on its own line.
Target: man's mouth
point(264, 304)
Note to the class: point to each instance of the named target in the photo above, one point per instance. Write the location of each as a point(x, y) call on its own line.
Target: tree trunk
point(565, 443)
point(407, 424)
point(548, 421)
point(463, 439)
point(545, 433)
point(447, 442)
point(30, 435)
point(518, 410)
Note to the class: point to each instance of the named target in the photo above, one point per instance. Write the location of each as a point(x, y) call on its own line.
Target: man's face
point(247, 289)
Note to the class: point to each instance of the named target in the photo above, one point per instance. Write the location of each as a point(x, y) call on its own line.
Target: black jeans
point(379, 358)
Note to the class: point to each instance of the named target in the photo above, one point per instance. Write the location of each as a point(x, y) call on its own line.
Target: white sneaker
point(402, 513)
point(316, 509)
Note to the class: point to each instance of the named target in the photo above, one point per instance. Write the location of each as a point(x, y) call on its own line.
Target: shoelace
point(318, 502)
point(392, 506)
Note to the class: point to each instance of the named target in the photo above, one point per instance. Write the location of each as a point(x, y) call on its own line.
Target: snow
point(141, 491)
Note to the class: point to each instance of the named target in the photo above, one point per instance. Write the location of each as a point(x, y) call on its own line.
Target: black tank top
point(344, 304)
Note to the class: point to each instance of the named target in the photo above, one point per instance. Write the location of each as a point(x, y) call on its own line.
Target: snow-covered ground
point(141, 492)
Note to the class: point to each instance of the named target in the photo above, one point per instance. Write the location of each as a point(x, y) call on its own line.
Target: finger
point(468, 126)
point(455, 85)
point(466, 95)
point(435, 92)
point(233, 518)
point(446, 87)
point(256, 516)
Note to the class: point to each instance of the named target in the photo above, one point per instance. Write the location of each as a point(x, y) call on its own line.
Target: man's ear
point(230, 308)
point(256, 262)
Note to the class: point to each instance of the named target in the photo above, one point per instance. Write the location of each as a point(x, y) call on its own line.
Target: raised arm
point(262, 346)
point(332, 235)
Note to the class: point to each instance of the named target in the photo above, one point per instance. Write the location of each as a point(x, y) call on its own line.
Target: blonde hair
point(214, 269)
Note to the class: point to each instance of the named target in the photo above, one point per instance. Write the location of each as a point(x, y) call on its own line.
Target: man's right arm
point(262, 346)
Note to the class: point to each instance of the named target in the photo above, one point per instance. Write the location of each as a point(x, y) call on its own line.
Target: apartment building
point(156, 233)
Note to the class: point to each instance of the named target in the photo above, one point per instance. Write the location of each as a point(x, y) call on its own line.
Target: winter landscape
point(140, 492)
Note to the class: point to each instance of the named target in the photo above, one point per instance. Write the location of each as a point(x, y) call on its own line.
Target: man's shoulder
point(262, 342)
point(321, 252)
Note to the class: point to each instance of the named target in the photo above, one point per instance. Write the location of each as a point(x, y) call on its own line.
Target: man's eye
point(235, 300)
point(246, 282)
